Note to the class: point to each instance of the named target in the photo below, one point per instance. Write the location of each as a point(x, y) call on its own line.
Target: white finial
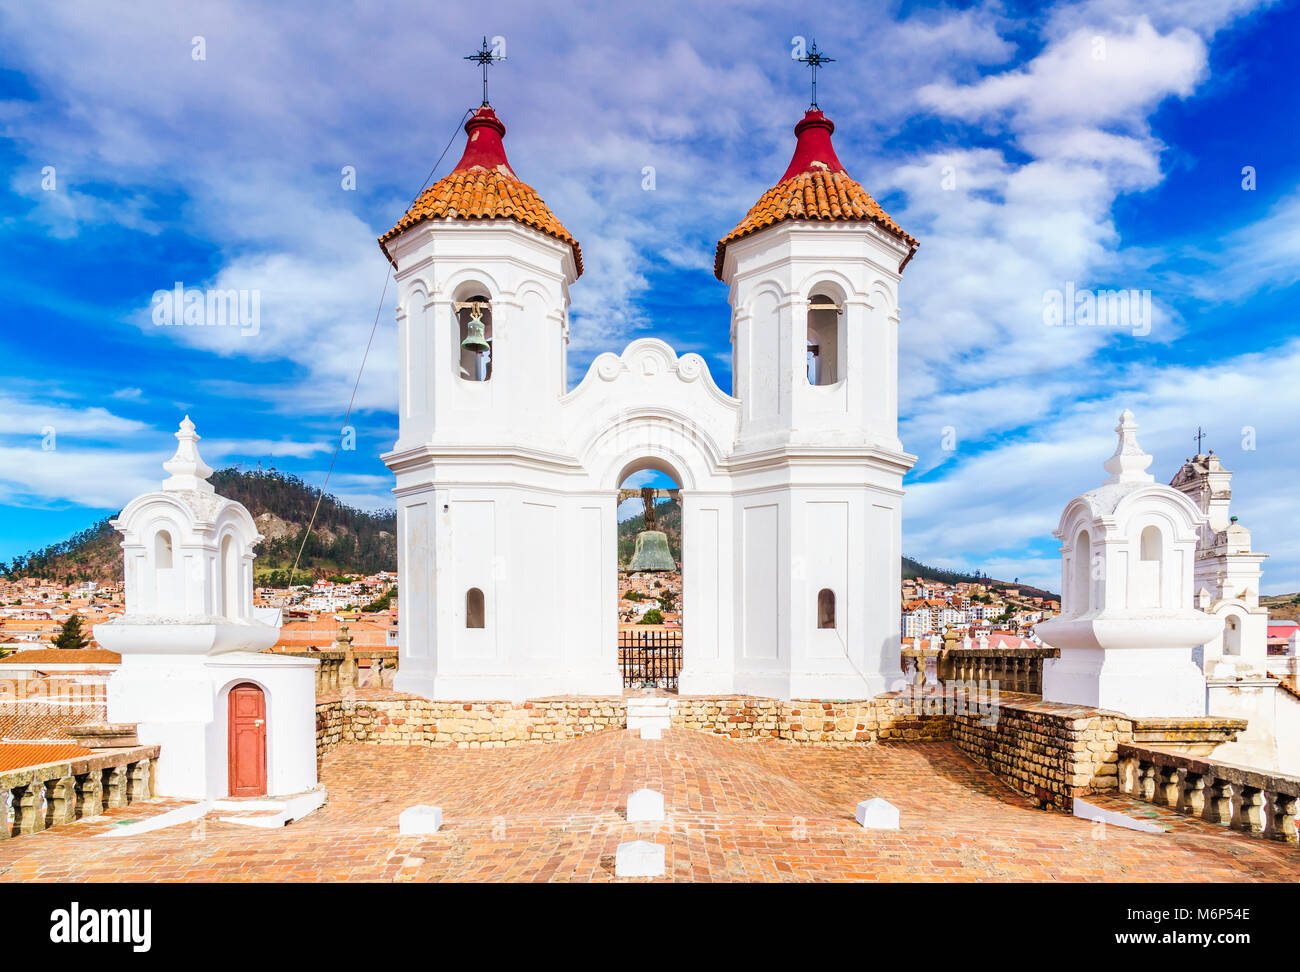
point(1129, 463)
point(188, 470)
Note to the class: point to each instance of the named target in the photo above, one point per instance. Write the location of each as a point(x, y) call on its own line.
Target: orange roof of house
point(816, 186)
point(321, 634)
point(19, 755)
point(483, 186)
point(44, 709)
point(63, 656)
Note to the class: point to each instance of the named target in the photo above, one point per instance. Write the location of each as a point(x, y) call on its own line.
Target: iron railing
point(650, 658)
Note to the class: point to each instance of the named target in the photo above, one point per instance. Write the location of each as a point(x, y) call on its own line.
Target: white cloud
point(1008, 497)
point(1091, 77)
point(251, 141)
point(104, 478)
point(21, 417)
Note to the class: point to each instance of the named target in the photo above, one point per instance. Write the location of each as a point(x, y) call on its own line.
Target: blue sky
point(1097, 144)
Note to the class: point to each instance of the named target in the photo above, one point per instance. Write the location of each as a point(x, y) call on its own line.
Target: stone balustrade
point(49, 794)
point(338, 672)
point(1016, 670)
point(1249, 800)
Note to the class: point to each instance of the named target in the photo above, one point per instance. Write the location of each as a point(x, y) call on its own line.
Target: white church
point(507, 482)
point(507, 487)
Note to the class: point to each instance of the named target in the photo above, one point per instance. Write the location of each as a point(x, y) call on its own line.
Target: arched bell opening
point(474, 317)
point(649, 588)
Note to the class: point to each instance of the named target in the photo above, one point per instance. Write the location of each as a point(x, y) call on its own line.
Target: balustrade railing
point(1014, 669)
point(337, 671)
point(49, 794)
point(1245, 799)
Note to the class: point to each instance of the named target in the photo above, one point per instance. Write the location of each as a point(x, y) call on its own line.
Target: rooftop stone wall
point(1050, 751)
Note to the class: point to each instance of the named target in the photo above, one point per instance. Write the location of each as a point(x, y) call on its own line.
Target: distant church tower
point(1227, 584)
point(1227, 570)
point(508, 482)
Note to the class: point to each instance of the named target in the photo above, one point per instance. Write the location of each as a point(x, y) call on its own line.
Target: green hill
point(343, 539)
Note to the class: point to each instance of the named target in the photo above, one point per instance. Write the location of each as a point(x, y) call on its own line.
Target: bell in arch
point(475, 339)
point(651, 550)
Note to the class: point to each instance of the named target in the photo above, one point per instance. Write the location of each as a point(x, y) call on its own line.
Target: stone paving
point(736, 811)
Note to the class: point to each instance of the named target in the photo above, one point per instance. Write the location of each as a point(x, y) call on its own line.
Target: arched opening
point(164, 586)
point(162, 550)
point(474, 335)
point(824, 333)
point(1081, 589)
point(826, 608)
point(475, 611)
point(649, 578)
point(1151, 543)
point(246, 740)
point(1147, 577)
point(1232, 635)
point(229, 574)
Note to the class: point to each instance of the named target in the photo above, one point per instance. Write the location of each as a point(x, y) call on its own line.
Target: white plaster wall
point(180, 703)
point(1257, 701)
point(513, 488)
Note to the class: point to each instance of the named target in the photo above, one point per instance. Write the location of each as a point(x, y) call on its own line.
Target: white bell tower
point(483, 271)
point(814, 272)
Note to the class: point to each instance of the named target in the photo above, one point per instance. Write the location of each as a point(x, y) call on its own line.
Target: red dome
point(816, 186)
point(483, 186)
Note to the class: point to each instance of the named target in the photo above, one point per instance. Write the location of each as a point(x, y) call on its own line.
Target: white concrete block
point(651, 732)
point(877, 814)
point(639, 858)
point(420, 820)
point(645, 805)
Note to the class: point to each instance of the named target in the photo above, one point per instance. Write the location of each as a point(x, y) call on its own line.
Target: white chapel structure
point(1160, 612)
point(232, 719)
point(1129, 623)
point(507, 481)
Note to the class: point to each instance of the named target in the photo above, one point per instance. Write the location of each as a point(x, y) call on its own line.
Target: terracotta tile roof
point(47, 710)
point(62, 656)
point(19, 755)
point(816, 186)
point(483, 186)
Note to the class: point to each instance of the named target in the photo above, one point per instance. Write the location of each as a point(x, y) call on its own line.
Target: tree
point(72, 635)
point(653, 616)
point(382, 603)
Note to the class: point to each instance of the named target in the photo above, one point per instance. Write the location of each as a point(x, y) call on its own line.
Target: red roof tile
point(483, 186)
point(815, 186)
point(19, 755)
point(62, 656)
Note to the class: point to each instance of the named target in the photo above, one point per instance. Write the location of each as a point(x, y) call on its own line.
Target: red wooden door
point(247, 746)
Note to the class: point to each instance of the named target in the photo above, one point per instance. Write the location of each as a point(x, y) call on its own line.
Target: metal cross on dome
point(1198, 437)
point(484, 57)
point(814, 59)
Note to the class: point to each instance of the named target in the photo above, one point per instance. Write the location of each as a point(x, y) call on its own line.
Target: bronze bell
point(475, 339)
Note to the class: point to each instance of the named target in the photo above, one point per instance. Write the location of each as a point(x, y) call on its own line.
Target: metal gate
point(650, 658)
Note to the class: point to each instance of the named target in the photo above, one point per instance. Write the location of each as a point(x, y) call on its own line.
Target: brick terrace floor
point(738, 811)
